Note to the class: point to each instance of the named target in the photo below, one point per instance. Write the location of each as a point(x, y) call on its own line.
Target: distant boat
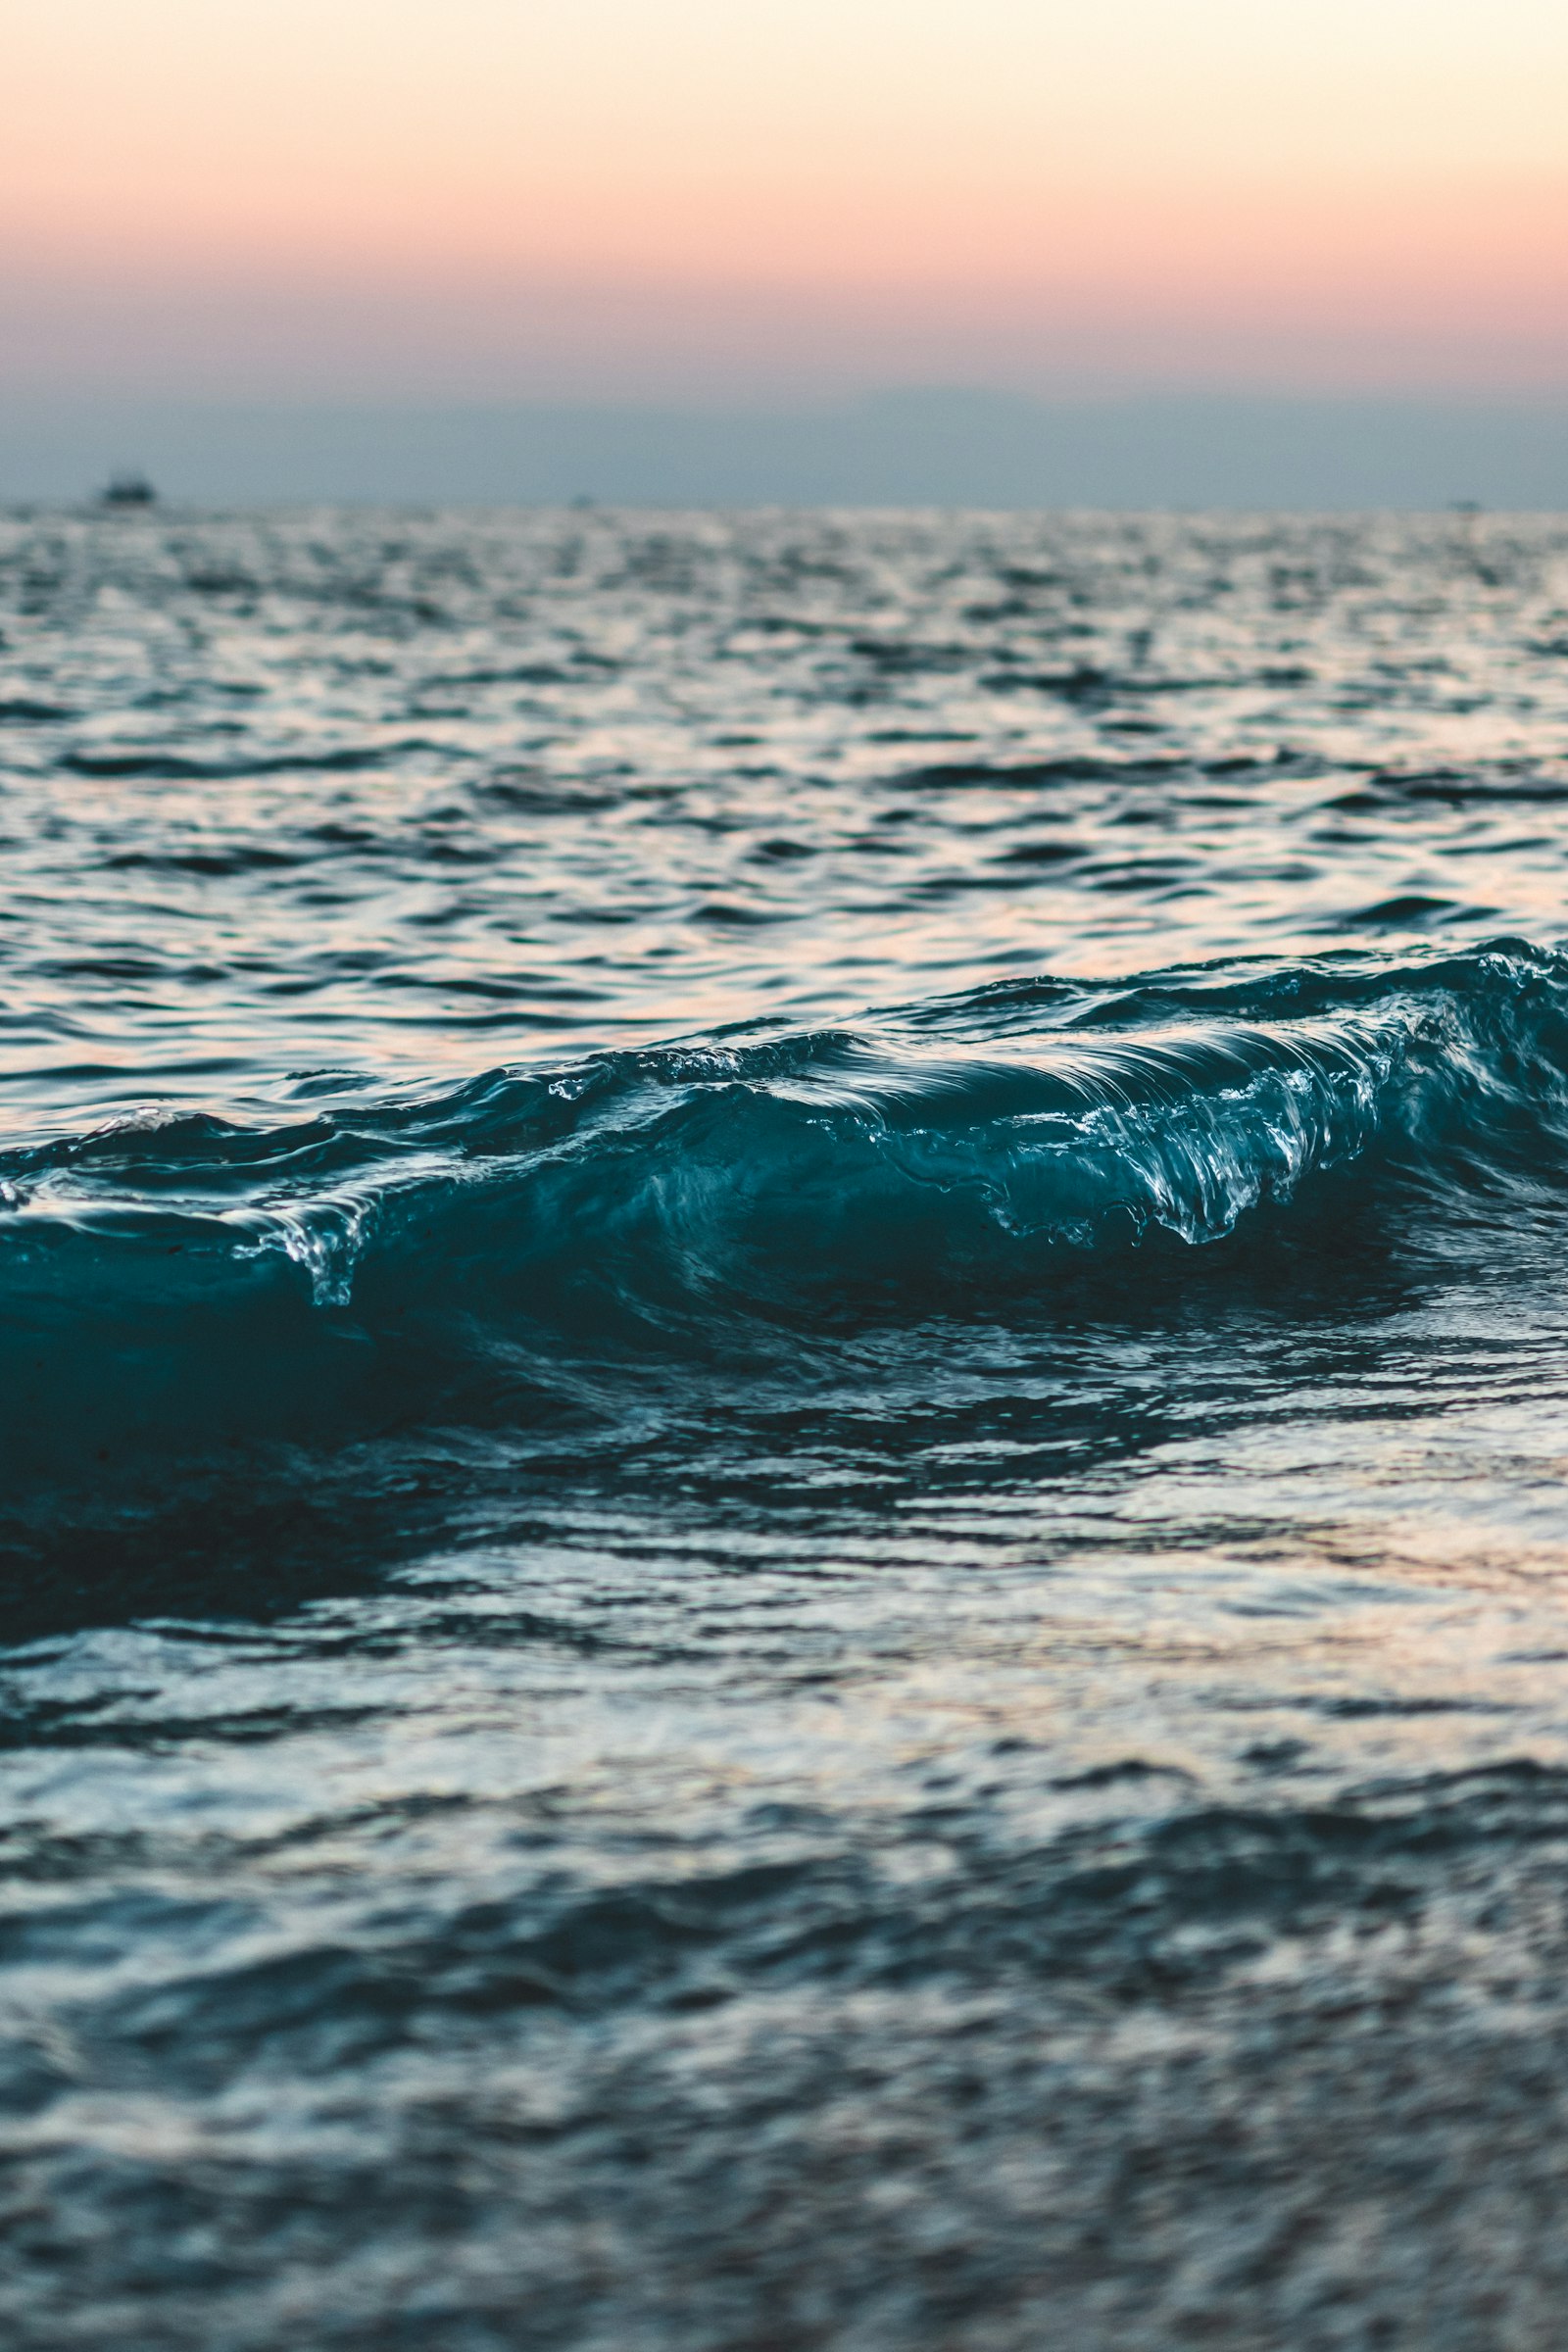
point(128, 490)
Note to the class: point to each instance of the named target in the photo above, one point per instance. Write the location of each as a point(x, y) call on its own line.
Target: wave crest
point(963, 1155)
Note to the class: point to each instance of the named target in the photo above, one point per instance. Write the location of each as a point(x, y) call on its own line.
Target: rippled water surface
point(782, 1539)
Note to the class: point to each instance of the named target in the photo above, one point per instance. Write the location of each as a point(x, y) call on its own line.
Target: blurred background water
point(782, 1540)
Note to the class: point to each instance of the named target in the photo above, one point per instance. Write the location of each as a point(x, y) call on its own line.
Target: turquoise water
point(783, 1537)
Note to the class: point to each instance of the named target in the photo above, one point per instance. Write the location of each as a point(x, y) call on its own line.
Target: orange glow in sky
point(608, 195)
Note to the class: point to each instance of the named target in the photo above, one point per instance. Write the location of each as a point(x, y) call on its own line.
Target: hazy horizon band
point(907, 447)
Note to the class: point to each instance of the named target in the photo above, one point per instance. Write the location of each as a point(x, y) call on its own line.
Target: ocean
point(783, 1546)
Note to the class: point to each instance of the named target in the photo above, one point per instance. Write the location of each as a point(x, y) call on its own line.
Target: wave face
point(183, 1280)
point(783, 1359)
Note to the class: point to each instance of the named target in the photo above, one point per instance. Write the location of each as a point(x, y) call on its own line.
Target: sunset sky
point(645, 198)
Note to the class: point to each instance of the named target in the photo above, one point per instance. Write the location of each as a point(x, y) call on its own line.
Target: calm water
point(783, 1539)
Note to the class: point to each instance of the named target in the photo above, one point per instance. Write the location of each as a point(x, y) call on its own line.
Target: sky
point(772, 200)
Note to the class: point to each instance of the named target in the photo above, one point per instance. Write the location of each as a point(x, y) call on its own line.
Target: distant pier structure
point(127, 490)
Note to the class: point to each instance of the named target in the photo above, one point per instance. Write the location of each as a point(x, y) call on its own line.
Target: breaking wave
point(397, 1257)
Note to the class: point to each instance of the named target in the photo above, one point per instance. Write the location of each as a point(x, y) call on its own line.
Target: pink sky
point(623, 199)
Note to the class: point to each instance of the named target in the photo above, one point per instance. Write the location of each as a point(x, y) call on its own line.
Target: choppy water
point(783, 1528)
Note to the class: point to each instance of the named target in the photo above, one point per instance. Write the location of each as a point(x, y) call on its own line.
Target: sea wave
point(967, 1157)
